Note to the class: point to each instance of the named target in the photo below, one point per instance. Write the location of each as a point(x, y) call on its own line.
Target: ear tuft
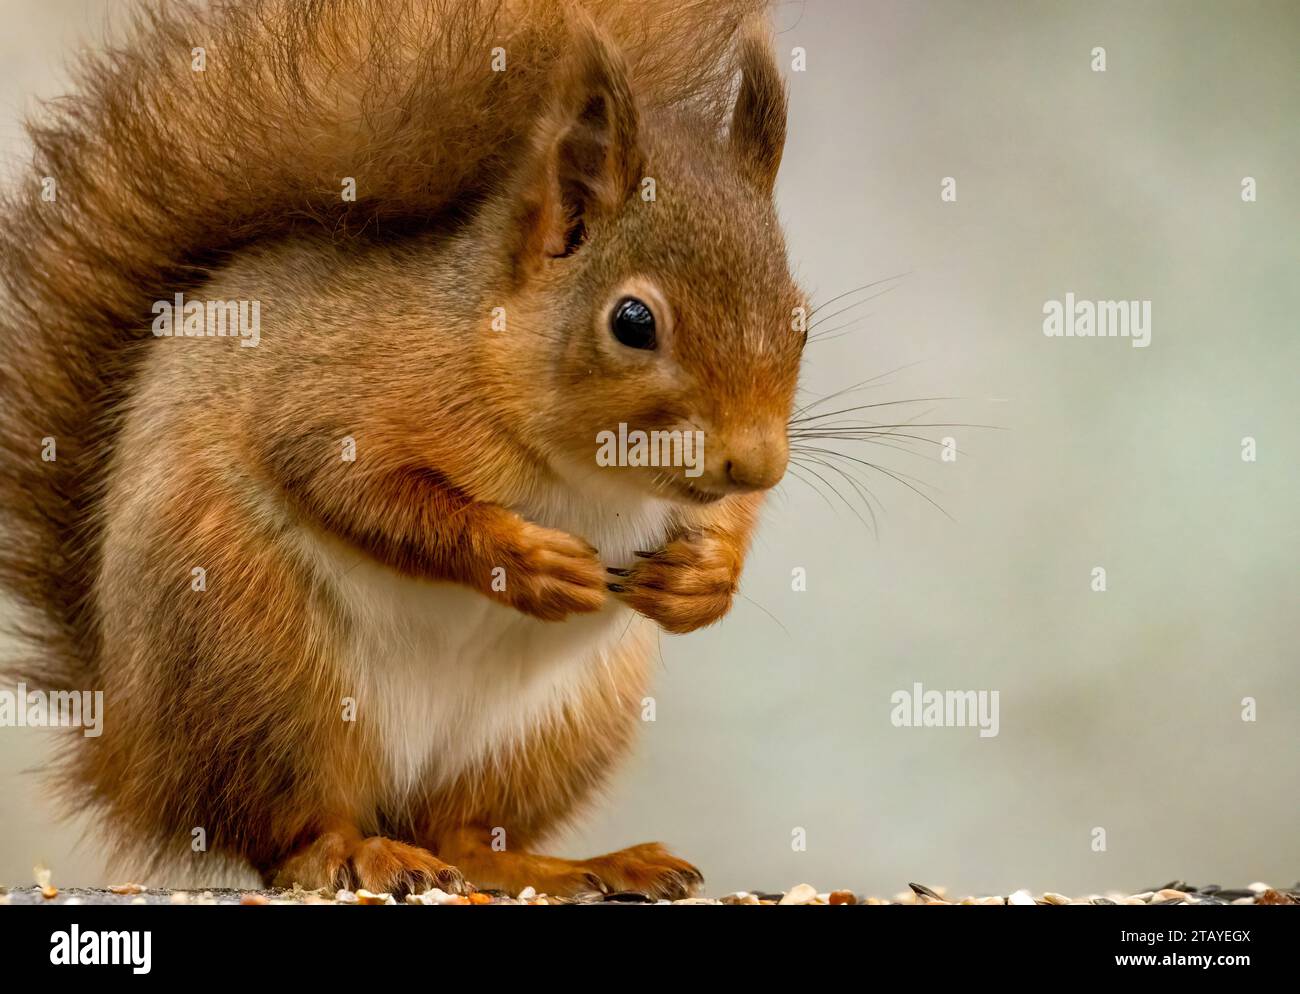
point(758, 121)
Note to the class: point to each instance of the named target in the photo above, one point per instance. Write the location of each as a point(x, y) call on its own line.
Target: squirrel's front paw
point(685, 585)
point(547, 573)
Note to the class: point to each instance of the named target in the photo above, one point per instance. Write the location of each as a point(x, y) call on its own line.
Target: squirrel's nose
point(753, 460)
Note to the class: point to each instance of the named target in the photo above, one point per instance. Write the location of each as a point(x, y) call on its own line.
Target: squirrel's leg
point(690, 582)
point(491, 825)
point(227, 697)
point(648, 868)
point(341, 857)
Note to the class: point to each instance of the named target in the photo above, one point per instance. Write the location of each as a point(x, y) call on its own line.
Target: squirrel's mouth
point(692, 494)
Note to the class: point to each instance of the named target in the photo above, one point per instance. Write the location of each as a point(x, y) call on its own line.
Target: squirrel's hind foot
point(648, 869)
point(334, 860)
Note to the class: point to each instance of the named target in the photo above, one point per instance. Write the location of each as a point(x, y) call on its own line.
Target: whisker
point(766, 612)
point(857, 386)
point(864, 407)
point(860, 488)
point(812, 486)
point(844, 455)
point(937, 424)
point(833, 489)
point(848, 307)
point(899, 443)
point(858, 289)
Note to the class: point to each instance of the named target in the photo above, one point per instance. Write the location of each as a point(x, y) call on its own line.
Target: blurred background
point(1119, 710)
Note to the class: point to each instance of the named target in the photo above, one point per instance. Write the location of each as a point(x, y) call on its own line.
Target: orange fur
point(475, 191)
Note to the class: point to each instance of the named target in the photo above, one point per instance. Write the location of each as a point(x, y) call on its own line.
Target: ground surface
point(1175, 892)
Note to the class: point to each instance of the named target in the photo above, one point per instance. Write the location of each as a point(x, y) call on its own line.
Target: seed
point(843, 897)
point(1051, 897)
point(800, 894)
point(1021, 897)
point(1271, 896)
point(924, 891)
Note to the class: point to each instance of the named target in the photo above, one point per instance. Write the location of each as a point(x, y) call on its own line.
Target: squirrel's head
point(652, 300)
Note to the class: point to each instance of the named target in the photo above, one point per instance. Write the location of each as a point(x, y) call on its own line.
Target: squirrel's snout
point(749, 461)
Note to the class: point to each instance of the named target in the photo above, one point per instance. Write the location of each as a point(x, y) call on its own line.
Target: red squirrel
point(366, 609)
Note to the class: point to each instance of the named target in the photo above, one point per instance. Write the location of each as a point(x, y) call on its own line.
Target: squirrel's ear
point(758, 121)
point(586, 160)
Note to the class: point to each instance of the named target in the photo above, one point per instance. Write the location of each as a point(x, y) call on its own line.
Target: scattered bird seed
point(1176, 892)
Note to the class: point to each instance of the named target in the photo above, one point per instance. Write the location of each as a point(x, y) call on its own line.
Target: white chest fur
point(447, 676)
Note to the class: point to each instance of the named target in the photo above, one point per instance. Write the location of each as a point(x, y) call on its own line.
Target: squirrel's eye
point(633, 324)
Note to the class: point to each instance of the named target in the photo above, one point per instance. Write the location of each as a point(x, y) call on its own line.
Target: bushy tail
point(211, 127)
